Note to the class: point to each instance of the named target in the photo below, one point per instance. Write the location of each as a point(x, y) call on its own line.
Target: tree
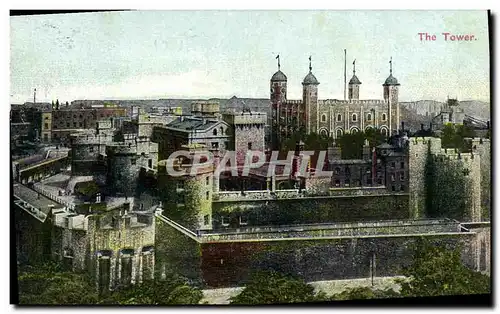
point(170, 291)
point(269, 287)
point(436, 270)
point(361, 293)
point(47, 284)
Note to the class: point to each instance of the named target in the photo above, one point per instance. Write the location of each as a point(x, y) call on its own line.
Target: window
point(393, 188)
point(402, 188)
point(150, 163)
point(401, 176)
point(393, 164)
point(347, 182)
point(74, 124)
point(379, 181)
point(354, 117)
point(46, 126)
point(337, 170)
point(206, 219)
point(339, 132)
point(339, 117)
point(402, 165)
point(208, 180)
point(249, 145)
point(323, 118)
point(133, 161)
point(337, 182)
point(81, 124)
point(208, 195)
point(384, 117)
point(91, 149)
point(369, 117)
point(215, 132)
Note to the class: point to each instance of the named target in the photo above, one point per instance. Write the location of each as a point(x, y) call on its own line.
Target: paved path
point(330, 287)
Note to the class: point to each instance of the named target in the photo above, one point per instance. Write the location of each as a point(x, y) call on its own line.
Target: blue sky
point(170, 54)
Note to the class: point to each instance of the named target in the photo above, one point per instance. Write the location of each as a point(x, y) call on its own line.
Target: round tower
point(278, 97)
point(391, 91)
point(123, 171)
point(354, 83)
point(187, 198)
point(310, 102)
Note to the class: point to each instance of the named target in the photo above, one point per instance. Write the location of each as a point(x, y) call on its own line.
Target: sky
point(204, 54)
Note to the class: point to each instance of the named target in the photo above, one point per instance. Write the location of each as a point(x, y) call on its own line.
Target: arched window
point(221, 131)
point(323, 132)
point(384, 117)
point(369, 117)
point(383, 131)
point(339, 117)
point(354, 130)
point(215, 131)
point(323, 118)
point(339, 132)
point(354, 117)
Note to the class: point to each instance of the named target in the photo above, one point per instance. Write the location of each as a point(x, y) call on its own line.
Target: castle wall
point(231, 263)
point(311, 210)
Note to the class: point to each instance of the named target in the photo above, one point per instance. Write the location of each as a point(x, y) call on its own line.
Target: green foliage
point(352, 144)
point(361, 293)
point(436, 270)
point(453, 136)
point(171, 291)
point(87, 190)
point(48, 284)
point(274, 288)
point(312, 141)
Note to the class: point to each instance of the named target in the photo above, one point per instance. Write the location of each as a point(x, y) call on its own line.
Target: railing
point(69, 205)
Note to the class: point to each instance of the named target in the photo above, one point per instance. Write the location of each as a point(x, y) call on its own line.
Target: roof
point(310, 79)
point(191, 124)
point(354, 80)
point(279, 77)
point(391, 80)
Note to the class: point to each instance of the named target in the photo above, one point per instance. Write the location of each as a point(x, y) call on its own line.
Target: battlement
point(249, 118)
point(422, 140)
point(85, 138)
point(121, 149)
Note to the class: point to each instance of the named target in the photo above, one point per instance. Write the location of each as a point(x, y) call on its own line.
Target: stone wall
point(230, 264)
point(311, 210)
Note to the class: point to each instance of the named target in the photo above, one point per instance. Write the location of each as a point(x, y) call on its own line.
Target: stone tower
point(187, 198)
point(310, 101)
point(278, 97)
point(354, 84)
point(391, 91)
point(123, 169)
